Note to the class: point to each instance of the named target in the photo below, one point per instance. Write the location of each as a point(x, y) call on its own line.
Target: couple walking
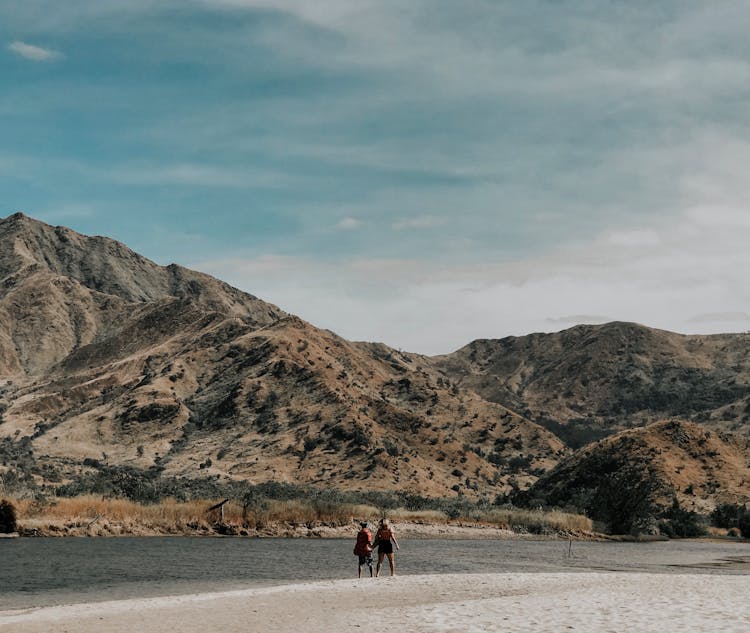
point(384, 541)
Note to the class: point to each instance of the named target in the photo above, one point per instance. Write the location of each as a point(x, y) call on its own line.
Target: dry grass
point(538, 521)
point(423, 516)
point(175, 517)
point(516, 519)
point(302, 511)
point(717, 531)
point(87, 508)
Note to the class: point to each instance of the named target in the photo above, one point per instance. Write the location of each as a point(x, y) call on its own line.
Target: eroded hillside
point(627, 479)
point(111, 360)
point(589, 381)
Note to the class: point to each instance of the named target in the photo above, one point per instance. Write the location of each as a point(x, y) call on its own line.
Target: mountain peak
point(16, 221)
point(76, 286)
point(29, 247)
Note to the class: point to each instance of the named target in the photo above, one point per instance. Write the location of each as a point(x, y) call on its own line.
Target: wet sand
point(588, 602)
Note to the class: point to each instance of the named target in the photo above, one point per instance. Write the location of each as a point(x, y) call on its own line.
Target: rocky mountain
point(61, 291)
point(109, 360)
point(593, 380)
point(632, 478)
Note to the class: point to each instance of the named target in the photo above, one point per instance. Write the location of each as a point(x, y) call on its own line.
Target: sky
point(421, 173)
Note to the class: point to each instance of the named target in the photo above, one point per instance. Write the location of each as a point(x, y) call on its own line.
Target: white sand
point(589, 602)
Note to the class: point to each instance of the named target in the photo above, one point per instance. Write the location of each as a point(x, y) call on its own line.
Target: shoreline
point(411, 529)
point(458, 530)
point(405, 528)
point(581, 601)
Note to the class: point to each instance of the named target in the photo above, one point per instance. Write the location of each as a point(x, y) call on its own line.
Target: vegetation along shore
point(285, 510)
point(258, 515)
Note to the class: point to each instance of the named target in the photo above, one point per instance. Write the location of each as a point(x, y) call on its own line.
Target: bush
point(727, 515)
point(680, 523)
point(744, 525)
point(7, 517)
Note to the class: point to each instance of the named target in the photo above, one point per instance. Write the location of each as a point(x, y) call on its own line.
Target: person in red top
point(385, 540)
point(363, 548)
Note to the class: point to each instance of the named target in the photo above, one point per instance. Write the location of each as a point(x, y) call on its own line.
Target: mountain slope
point(589, 381)
point(629, 478)
point(111, 360)
point(60, 290)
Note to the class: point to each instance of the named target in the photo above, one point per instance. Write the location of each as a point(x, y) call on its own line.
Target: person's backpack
point(363, 543)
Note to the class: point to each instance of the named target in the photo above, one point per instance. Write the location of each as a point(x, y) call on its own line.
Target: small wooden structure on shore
point(220, 507)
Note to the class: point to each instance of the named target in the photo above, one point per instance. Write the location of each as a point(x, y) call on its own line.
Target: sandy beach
point(593, 602)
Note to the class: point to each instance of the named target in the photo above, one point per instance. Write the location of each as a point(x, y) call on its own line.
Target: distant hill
point(593, 380)
point(108, 360)
point(628, 479)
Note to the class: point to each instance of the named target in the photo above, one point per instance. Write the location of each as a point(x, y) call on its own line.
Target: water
point(44, 572)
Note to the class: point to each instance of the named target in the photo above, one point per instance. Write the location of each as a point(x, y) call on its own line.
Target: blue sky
point(422, 173)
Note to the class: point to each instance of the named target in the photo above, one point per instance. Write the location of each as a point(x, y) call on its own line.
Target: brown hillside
point(636, 474)
point(60, 291)
point(593, 380)
point(111, 360)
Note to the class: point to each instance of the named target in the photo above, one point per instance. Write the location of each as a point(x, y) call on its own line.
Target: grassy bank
point(91, 515)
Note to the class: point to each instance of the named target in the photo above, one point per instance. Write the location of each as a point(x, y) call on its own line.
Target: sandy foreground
point(593, 602)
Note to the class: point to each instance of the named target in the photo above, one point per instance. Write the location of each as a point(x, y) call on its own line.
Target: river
point(45, 572)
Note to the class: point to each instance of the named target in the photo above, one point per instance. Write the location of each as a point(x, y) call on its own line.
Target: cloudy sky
point(422, 173)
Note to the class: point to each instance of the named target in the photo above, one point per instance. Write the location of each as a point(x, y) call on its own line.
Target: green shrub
point(744, 525)
point(727, 515)
point(7, 517)
point(679, 523)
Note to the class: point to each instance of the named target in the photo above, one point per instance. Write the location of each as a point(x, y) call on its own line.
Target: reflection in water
point(40, 572)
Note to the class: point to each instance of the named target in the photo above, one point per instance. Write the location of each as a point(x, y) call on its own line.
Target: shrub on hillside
point(727, 515)
point(744, 525)
point(7, 517)
point(680, 523)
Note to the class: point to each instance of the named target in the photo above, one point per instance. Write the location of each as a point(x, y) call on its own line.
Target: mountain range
point(110, 360)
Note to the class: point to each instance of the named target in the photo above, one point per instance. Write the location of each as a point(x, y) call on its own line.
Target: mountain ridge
point(110, 360)
point(603, 378)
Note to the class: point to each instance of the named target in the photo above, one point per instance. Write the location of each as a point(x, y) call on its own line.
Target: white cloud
point(487, 55)
point(192, 174)
point(720, 317)
point(418, 222)
point(348, 224)
point(67, 211)
point(35, 53)
point(658, 276)
point(575, 319)
point(633, 238)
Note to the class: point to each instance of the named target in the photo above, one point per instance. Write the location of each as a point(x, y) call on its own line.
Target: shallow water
point(44, 572)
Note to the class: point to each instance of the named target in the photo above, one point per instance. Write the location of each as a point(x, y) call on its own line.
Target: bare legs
point(391, 563)
point(360, 568)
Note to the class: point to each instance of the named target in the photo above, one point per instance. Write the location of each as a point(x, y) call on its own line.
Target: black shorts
point(385, 548)
point(366, 560)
